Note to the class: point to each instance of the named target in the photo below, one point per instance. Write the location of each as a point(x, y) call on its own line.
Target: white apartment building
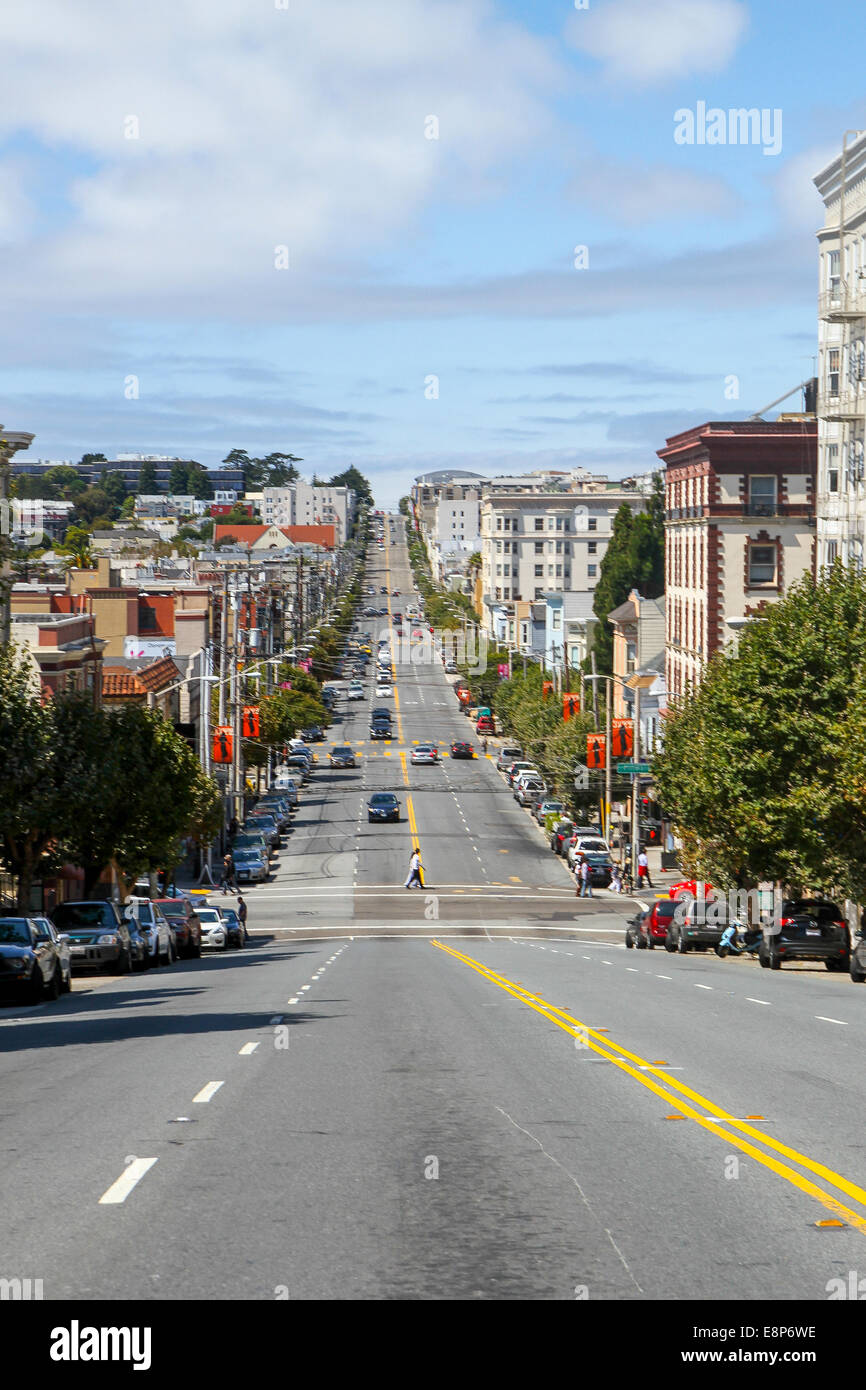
point(536, 542)
point(307, 504)
point(841, 491)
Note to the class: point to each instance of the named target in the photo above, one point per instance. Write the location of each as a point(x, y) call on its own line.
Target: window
point(833, 468)
point(539, 593)
point(498, 569)
point(557, 616)
point(507, 593)
point(539, 547)
point(550, 571)
point(592, 570)
point(833, 372)
point(832, 552)
point(539, 571)
point(499, 547)
point(567, 525)
point(499, 523)
point(592, 523)
point(539, 523)
point(559, 523)
point(559, 571)
point(762, 495)
point(559, 547)
point(592, 547)
point(762, 564)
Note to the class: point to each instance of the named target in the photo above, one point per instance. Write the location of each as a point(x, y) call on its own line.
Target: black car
point(462, 750)
point(233, 925)
point(383, 806)
point(99, 938)
point(30, 960)
point(380, 728)
point(807, 929)
point(697, 923)
point(342, 756)
point(312, 735)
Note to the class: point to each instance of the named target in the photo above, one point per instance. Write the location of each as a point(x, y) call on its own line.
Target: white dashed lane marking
point(248, 1049)
point(207, 1092)
point(130, 1178)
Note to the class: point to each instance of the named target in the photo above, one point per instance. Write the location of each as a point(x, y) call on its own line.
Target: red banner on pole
point(622, 738)
point(596, 751)
point(223, 743)
point(570, 704)
point(250, 722)
point(546, 687)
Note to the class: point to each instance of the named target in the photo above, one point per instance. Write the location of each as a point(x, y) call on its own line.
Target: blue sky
point(155, 158)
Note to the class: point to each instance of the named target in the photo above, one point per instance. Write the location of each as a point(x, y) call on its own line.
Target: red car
point(485, 725)
point(689, 889)
point(652, 929)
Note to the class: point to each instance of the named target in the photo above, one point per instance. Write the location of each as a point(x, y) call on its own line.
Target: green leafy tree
point(177, 478)
point(761, 764)
point(27, 764)
point(198, 483)
point(65, 482)
point(90, 504)
point(353, 478)
point(147, 478)
point(635, 559)
point(114, 487)
point(77, 546)
point(274, 470)
point(88, 459)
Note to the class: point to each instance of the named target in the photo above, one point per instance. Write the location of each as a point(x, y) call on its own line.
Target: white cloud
point(257, 127)
point(797, 199)
point(636, 195)
point(647, 41)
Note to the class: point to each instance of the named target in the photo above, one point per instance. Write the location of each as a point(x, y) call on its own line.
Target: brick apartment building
point(739, 531)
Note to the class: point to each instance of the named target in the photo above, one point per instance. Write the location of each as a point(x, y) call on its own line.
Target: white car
point(589, 844)
point(424, 753)
point(213, 928)
point(385, 689)
point(356, 691)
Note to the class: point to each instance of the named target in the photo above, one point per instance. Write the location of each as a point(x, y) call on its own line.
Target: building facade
point(739, 531)
point(307, 504)
point(841, 502)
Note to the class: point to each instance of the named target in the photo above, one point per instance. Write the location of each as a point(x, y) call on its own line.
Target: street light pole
point(635, 819)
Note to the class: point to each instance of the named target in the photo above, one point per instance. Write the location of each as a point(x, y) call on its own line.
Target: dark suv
point(807, 929)
point(99, 938)
point(184, 922)
point(696, 924)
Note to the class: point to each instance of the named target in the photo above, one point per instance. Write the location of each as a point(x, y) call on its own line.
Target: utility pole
point(224, 641)
point(237, 761)
point(608, 759)
point(594, 690)
point(635, 821)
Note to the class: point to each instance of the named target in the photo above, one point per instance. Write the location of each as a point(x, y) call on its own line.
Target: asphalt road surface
point(470, 1092)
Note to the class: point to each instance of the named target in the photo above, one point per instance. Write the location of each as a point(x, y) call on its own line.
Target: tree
point(77, 545)
point(66, 483)
point(274, 470)
point(26, 760)
point(762, 766)
point(88, 459)
point(281, 715)
point(635, 559)
point(351, 477)
point(147, 483)
point(198, 483)
point(114, 487)
point(177, 478)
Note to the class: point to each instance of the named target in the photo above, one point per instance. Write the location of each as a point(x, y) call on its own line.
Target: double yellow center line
point(709, 1116)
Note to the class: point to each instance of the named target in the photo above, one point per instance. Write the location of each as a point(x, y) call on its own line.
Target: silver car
point(250, 866)
point(424, 753)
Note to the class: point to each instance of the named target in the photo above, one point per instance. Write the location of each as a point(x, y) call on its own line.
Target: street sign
point(632, 769)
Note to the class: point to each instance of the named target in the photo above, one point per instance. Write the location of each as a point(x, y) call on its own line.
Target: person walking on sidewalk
point(242, 916)
point(228, 876)
point(414, 870)
point(643, 874)
point(616, 879)
point(585, 879)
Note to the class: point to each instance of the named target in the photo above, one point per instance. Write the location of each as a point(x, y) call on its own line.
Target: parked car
point(252, 839)
point(31, 964)
point(485, 725)
point(513, 769)
point(383, 806)
point(261, 821)
point(655, 923)
point(233, 925)
point(301, 766)
point(278, 809)
point(586, 845)
point(508, 754)
point(462, 750)
point(99, 939)
point(632, 929)
point(152, 926)
point(810, 929)
point(699, 922)
point(545, 807)
point(45, 926)
point(213, 928)
point(184, 922)
point(527, 792)
point(251, 864)
point(424, 753)
point(560, 836)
